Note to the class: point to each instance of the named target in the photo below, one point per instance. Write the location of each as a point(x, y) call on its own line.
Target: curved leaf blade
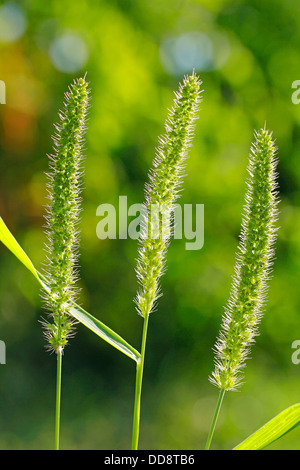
point(11, 243)
point(95, 325)
point(104, 332)
point(272, 430)
point(98, 327)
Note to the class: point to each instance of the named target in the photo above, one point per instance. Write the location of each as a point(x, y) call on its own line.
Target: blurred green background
point(135, 52)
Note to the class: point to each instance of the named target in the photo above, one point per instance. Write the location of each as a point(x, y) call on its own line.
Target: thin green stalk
point(215, 419)
point(62, 222)
point(161, 192)
point(58, 399)
point(138, 389)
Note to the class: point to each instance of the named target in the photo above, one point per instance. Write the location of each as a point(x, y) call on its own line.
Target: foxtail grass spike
point(253, 265)
point(161, 193)
point(163, 189)
point(64, 189)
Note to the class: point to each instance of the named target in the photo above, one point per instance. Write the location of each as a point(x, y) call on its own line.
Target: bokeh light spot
point(194, 50)
point(69, 53)
point(12, 22)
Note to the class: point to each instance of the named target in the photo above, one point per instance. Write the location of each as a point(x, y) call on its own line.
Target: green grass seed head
point(253, 265)
point(165, 179)
point(63, 213)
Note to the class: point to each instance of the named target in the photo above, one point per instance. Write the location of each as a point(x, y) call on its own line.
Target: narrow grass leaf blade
point(77, 312)
point(104, 332)
point(272, 430)
point(11, 243)
point(99, 328)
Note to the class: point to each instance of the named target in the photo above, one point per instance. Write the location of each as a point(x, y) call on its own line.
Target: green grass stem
point(215, 419)
point(58, 399)
point(138, 389)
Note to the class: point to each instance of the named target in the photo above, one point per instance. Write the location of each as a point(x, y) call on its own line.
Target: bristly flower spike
point(161, 193)
point(64, 189)
point(253, 265)
point(163, 189)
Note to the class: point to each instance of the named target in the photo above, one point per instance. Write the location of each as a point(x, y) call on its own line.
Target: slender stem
point(138, 389)
point(58, 399)
point(215, 418)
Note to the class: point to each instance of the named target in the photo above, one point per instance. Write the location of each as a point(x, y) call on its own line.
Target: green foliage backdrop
point(247, 53)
